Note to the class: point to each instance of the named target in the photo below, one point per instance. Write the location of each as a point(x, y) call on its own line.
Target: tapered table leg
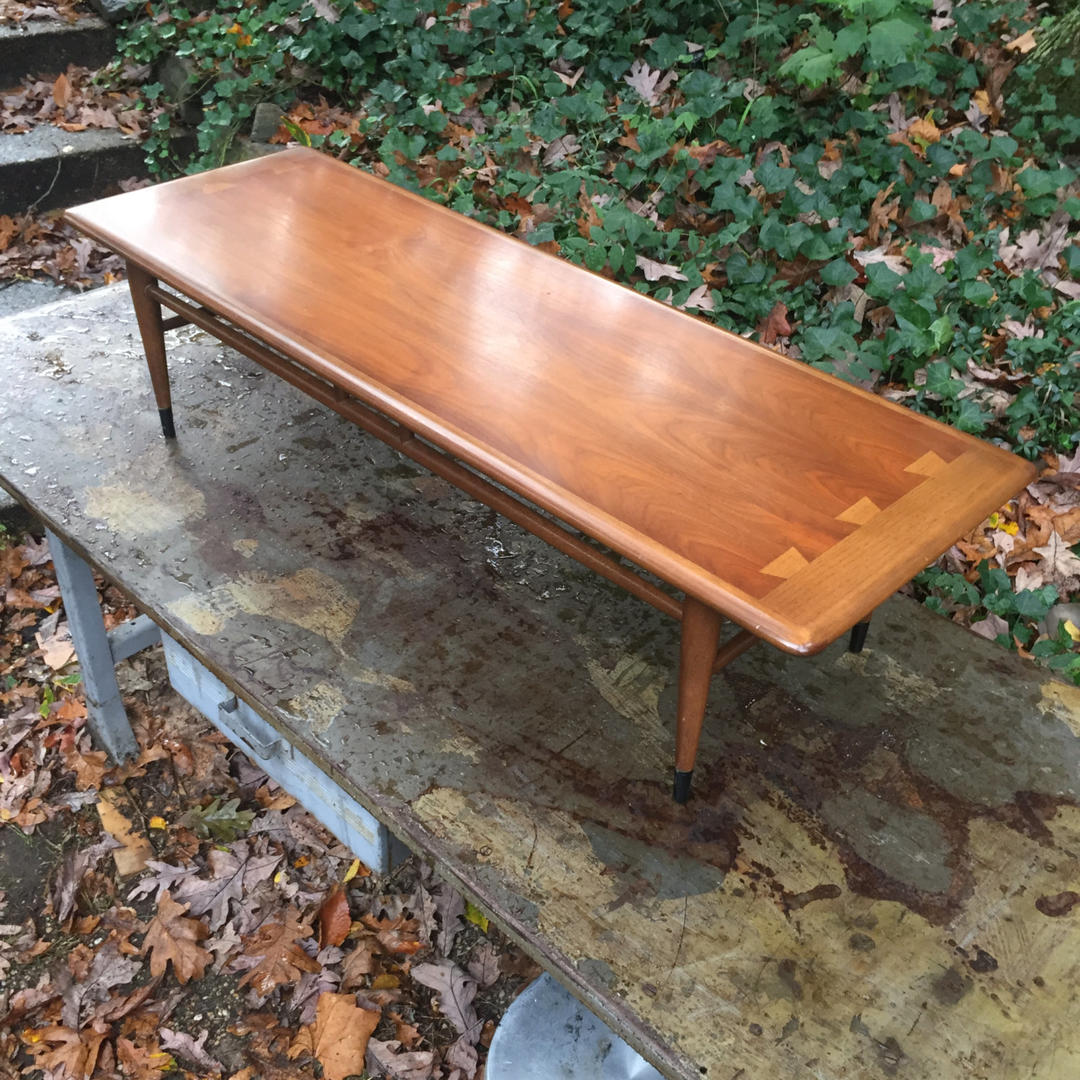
point(858, 636)
point(148, 314)
point(697, 654)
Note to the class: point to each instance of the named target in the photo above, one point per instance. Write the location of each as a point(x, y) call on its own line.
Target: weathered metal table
point(877, 877)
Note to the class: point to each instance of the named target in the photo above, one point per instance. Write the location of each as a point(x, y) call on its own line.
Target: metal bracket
point(230, 717)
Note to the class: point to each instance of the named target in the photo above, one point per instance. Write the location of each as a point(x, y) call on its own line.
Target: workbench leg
point(148, 314)
point(105, 710)
point(697, 654)
point(858, 636)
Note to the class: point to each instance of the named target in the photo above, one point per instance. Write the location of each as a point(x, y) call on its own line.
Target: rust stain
point(1059, 904)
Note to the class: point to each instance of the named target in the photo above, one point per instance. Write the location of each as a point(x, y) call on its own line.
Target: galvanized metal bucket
point(548, 1035)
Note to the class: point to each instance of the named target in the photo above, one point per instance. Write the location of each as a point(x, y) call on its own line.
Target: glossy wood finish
point(722, 467)
point(697, 655)
point(152, 331)
point(401, 439)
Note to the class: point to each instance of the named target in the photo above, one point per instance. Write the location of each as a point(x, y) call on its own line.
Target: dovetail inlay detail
point(786, 565)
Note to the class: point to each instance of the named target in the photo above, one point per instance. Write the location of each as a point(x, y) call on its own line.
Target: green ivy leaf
point(838, 272)
point(940, 380)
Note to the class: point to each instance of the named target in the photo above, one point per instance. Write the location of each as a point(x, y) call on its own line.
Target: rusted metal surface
point(877, 874)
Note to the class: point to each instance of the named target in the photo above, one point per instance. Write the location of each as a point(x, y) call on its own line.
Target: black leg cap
point(858, 637)
point(167, 427)
point(681, 789)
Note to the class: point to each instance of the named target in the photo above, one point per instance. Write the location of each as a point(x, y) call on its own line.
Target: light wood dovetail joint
point(767, 492)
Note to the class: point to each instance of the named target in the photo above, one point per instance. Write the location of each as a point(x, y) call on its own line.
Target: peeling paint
point(247, 547)
point(308, 599)
point(140, 510)
point(319, 706)
point(1062, 701)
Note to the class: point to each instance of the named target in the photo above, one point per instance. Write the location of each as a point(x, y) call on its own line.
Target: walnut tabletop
point(782, 497)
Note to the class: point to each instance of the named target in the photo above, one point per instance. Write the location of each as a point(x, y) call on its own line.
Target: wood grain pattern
point(698, 455)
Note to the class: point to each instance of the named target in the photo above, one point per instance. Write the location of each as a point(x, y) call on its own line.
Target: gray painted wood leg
point(108, 721)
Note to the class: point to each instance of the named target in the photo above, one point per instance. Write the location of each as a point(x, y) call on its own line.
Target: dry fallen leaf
point(191, 1048)
point(384, 1060)
point(58, 650)
point(65, 1052)
point(774, 325)
point(61, 91)
point(456, 992)
point(144, 1060)
point(233, 871)
point(882, 211)
point(397, 935)
point(131, 857)
point(339, 1037)
point(650, 83)
point(358, 964)
point(483, 965)
point(89, 768)
point(281, 960)
point(334, 919)
point(1022, 44)
point(1059, 564)
point(172, 936)
point(405, 1033)
point(654, 270)
point(700, 299)
point(990, 627)
point(75, 867)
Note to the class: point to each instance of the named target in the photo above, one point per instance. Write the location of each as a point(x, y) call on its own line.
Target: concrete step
point(46, 47)
point(47, 167)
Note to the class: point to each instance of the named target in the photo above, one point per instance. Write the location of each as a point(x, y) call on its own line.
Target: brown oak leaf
point(281, 960)
point(172, 936)
point(144, 1060)
point(1059, 563)
point(775, 325)
point(339, 1037)
point(405, 1033)
point(89, 768)
point(64, 1051)
point(882, 211)
point(359, 963)
point(397, 935)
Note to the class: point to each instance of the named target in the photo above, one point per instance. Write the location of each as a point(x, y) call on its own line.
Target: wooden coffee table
point(766, 492)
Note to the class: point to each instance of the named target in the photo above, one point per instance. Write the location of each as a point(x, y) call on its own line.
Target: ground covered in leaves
point(38, 245)
point(18, 11)
point(180, 915)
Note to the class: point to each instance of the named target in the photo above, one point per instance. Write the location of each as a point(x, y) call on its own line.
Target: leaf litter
point(255, 948)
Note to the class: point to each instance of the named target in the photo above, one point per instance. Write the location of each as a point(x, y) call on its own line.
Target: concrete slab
point(48, 167)
point(878, 873)
point(114, 10)
point(46, 46)
point(19, 296)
